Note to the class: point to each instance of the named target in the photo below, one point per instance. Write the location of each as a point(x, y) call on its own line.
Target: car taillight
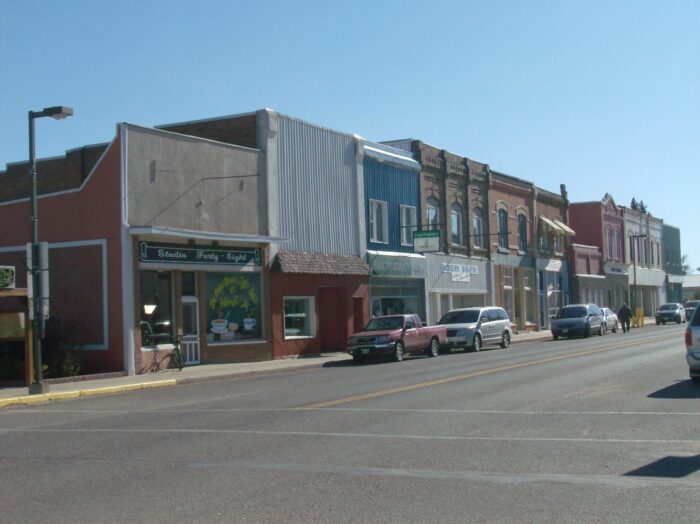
point(688, 339)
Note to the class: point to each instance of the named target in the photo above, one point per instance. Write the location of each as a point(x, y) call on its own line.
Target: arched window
point(432, 213)
point(503, 228)
point(478, 228)
point(610, 243)
point(522, 232)
point(456, 225)
point(618, 245)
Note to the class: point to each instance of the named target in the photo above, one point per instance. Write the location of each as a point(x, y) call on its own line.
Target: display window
point(156, 307)
point(299, 315)
point(233, 307)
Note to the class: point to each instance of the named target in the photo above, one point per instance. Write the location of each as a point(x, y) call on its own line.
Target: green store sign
point(186, 254)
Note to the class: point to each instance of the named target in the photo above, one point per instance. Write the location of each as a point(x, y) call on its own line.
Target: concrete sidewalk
point(189, 375)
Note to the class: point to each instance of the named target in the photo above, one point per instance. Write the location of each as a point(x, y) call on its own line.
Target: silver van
point(475, 327)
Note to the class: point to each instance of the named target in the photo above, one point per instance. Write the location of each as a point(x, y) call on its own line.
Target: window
point(503, 228)
point(522, 232)
point(156, 307)
point(408, 225)
point(299, 317)
point(456, 225)
point(433, 213)
point(557, 243)
point(610, 243)
point(233, 306)
point(618, 245)
point(188, 282)
point(478, 228)
point(544, 239)
point(378, 223)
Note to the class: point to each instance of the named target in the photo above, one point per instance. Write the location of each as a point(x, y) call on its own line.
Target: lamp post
point(59, 113)
point(635, 249)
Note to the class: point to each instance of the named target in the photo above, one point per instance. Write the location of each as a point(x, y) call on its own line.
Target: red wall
point(92, 213)
point(346, 288)
point(585, 219)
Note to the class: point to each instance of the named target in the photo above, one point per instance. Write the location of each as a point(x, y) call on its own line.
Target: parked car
point(578, 319)
point(610, 320)
point(395, 336)
point(475, 327)
point(671, 312)
point(692, 346)
point(690, 307)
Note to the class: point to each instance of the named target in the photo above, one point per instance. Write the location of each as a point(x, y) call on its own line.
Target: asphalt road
point(605, 429)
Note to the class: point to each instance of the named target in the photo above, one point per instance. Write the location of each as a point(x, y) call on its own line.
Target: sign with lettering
point(191, 254)
point(7, 277)
point(426, 241)
point(460, 272)
point(397, 266)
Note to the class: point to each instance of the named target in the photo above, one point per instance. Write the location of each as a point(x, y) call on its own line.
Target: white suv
point(474, 327)
point(692, 346)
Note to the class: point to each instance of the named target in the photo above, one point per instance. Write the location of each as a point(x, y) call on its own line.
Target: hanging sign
point(426, 241)
point(186, 254)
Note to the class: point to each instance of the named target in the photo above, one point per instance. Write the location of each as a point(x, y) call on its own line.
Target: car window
point(668, 307)
point(595, 310)
point(695, 321)
point(460, 317)
point(572, 312)
point(493, 315)
point(502, 315)
point(485, 316)
point(409, 324)
point(384, 323)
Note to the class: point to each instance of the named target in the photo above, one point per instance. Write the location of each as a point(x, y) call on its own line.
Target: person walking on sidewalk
point(625, 314)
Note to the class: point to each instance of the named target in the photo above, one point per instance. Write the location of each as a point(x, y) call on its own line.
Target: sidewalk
point(189, 375)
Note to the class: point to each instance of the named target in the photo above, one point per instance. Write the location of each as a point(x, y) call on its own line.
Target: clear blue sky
point(599, 95)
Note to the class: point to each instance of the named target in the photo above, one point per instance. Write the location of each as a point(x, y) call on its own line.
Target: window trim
point(410, 228)
point(478, 216)
point(502, 235)
point(432, 203)
point(457, 210)
point(522, 232)
point(312, 322)
point(373, 221)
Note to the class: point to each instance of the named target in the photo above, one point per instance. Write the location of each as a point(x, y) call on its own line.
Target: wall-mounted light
point(149, 308)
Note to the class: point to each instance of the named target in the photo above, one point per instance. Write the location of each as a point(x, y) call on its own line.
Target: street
point(603, 429)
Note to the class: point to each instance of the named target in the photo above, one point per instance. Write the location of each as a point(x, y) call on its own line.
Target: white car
point(610, 320)
point(692, 346)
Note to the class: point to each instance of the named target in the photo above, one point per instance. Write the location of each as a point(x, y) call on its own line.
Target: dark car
point(671, 312)
point(578, 320)
point(689, 307)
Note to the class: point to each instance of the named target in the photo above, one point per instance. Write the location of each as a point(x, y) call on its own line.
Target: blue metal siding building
point(397, 186)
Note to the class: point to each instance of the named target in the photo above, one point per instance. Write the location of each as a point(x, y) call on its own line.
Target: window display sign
point(233, 307)
point(7, 277)
point(187, 254)
point(460, 272)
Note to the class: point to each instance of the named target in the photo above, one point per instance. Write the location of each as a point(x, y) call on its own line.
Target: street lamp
point(635, 249)
point(59, 113)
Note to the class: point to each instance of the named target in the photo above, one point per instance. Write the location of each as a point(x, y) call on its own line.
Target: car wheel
point(601, 329)
point(399, 351)
point(477, 343)
point(555, 336)
point(696, 380)
point(657, 322)
point(357, 358)
point(505, 341)
point(434, 348)
point(587, 331)
point(614, 329)
point(678, 321)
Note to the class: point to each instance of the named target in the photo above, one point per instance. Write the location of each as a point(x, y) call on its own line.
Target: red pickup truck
point(395, 336)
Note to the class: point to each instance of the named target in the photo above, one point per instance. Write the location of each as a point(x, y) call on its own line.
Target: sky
point(603, 96)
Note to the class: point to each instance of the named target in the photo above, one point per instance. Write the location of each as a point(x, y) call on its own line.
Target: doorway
point(333, 318)
point(190, 330)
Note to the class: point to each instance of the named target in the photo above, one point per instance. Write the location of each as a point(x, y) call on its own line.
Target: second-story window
point(408, 225)
point(544, 238)
point(503, 228)
point(478, 228)
point(378, 221)
point(456, 225)
point(522, 232)
point(610, 243)
point(557, 243)
point(432, 213)
point(618, 245)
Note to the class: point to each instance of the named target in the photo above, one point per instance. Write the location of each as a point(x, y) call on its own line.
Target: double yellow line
point(464, 376)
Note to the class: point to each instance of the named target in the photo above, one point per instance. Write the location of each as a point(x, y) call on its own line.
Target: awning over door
point(567, 230)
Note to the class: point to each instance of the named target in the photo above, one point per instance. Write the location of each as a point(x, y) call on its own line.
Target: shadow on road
point(668, 467)
point(681, 389)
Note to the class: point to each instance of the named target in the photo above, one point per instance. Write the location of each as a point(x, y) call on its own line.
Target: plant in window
point(234, 292)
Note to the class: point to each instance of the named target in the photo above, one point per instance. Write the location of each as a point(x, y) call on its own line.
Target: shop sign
point(460, 272)
point(186, 254)
point(7, 277)
point(397, 266)
point(426, 241)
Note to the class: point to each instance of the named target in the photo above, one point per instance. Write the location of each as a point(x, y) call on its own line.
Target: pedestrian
point(625, 314)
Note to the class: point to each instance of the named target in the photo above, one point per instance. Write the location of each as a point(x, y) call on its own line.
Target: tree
point(685, 265)
point(642, 207)
point(634, 204)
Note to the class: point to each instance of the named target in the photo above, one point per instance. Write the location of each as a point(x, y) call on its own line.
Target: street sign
point(426, 241)
point(7, 277)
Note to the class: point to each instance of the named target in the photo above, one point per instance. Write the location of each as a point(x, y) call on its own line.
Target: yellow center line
point(489, 371)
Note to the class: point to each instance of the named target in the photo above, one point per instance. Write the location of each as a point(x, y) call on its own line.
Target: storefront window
point(508, 296)
point(299, 314)
point(529, 288)
point(156, 307)
point(233, 307)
